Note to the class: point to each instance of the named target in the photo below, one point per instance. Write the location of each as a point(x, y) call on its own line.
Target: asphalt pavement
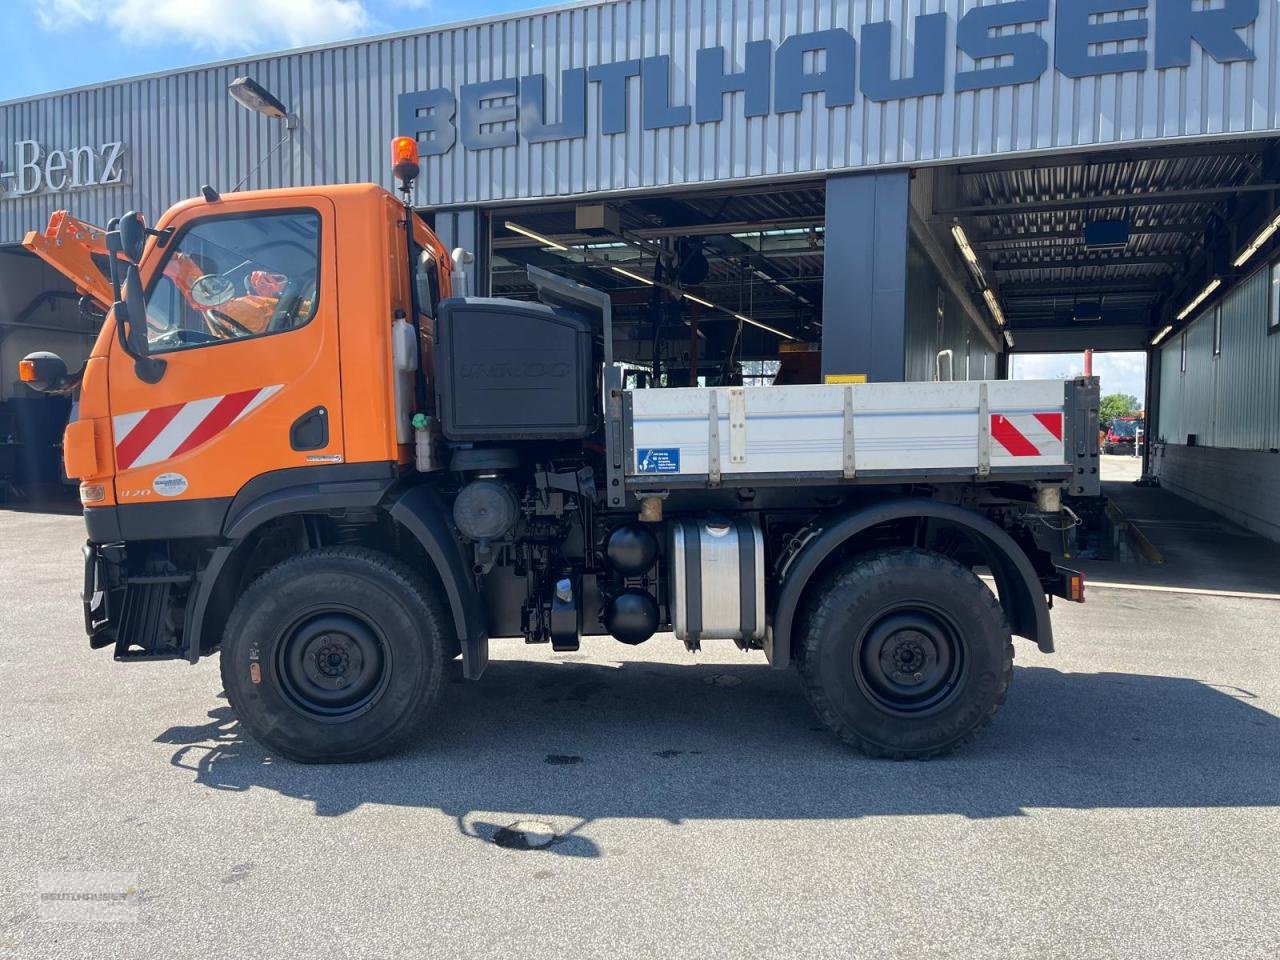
point(1126, 803)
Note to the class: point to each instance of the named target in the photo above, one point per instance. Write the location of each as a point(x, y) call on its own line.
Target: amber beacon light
point(404, 162)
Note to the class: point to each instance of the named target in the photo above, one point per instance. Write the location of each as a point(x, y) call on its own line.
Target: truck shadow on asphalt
point(572, 743)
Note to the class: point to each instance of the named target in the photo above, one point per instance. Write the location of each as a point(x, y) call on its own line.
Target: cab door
point(242, 307)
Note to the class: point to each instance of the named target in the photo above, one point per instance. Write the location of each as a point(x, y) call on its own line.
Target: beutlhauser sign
point(1010, 43)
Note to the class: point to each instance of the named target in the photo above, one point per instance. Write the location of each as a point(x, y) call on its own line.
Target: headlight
point(92, 493)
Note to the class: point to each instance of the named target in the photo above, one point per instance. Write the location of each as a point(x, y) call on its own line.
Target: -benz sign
point(999, 39)
point(33, 169)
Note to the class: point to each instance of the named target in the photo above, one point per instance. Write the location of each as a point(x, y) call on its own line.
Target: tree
point(1115, 405)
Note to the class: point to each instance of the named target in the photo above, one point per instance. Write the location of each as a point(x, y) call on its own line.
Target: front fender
point(1021, 593)
point(422, 512)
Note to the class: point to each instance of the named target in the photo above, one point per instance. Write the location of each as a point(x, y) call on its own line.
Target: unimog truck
point(301, 451)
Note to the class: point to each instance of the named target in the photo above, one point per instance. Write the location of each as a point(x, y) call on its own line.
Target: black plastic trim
point(422, 511)
point(693, 583)
point(304, 489)
point(103, 524)
point(310, 431)
point(746, 576)
point(170, 520)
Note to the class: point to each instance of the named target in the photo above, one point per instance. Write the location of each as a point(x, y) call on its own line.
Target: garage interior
point(757, 255)
point(39, 310)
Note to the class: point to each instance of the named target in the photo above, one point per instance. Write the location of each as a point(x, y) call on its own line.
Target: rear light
point(1077, 588)
point(92, 492)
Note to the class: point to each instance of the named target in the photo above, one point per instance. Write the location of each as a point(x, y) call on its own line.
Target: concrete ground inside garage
point(1199, 550)
point(1125, 803)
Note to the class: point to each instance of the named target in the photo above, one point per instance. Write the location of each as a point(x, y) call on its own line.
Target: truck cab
point(301, 452)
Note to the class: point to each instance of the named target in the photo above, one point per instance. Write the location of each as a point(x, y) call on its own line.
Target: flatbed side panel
point(789, 430)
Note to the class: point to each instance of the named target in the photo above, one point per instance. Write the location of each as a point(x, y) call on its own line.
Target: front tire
point(335, 656)
point(905, 654)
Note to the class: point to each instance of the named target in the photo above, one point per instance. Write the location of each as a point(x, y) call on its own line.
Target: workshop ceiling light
point(962, 241)
point(994, 306)
point(632, 276)
point(1204, 295)
point(525, 232)
point(1155, 341)
point(970, 255)
point(764, 326)
point(1257, 243)
point(701, 302)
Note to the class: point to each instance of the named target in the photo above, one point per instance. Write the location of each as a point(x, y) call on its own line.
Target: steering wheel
point(282, 317)
point(239, 328)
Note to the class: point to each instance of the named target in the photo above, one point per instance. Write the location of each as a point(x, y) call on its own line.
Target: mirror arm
point(114, 251)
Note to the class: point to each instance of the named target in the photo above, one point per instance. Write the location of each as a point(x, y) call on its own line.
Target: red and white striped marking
point(1028, 434)
point(150, 436)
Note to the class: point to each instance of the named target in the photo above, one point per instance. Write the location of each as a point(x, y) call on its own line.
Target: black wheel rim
point(910, 659)
point(333, 664)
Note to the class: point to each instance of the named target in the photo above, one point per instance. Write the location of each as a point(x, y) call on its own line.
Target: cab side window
point(235, 277)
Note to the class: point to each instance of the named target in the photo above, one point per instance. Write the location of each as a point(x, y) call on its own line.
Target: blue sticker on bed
point(658, 460)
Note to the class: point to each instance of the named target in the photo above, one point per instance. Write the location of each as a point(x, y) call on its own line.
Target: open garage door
point(1103, 250)
point(1174, 251)
point(713, 288)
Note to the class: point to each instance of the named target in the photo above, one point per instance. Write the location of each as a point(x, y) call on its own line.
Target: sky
point(48, 45)
point(1120, 372)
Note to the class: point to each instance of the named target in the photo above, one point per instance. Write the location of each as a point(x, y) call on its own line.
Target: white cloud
point(1124, 372)
point(220, 26)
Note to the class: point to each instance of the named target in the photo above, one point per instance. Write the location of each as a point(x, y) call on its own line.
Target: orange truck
point(301, 451)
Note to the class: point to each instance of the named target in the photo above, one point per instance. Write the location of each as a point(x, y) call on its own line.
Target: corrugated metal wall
point(952, 347)
point(182, 129)
point(1232, 400)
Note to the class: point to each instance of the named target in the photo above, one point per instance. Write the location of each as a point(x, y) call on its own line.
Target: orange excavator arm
point(70, 246)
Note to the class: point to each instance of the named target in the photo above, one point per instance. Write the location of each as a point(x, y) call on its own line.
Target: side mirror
point(43, 372)
point(133, 236)
point(131, 327)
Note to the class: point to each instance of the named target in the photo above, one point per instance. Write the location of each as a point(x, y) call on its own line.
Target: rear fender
point(1021, 594)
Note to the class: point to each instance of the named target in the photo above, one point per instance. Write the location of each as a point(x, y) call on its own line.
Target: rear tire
point(335, 656)
point(904, 654)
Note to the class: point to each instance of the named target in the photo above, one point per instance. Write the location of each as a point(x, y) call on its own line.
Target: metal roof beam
point(1009, 266)
point(1076, 235)
point(1060, 160)
point(1084, 288)
point(1152, 198)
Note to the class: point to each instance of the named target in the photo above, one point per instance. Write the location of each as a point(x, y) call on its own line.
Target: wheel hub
point(909, 661)
point(332, 665)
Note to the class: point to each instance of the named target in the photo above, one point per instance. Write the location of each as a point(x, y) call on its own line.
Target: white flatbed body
point(1028, 430)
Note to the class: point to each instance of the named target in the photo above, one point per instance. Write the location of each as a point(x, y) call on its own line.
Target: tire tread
point(396, 575)
point(848, 575)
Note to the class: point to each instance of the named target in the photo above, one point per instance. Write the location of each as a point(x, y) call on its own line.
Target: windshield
point(1124, 428)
